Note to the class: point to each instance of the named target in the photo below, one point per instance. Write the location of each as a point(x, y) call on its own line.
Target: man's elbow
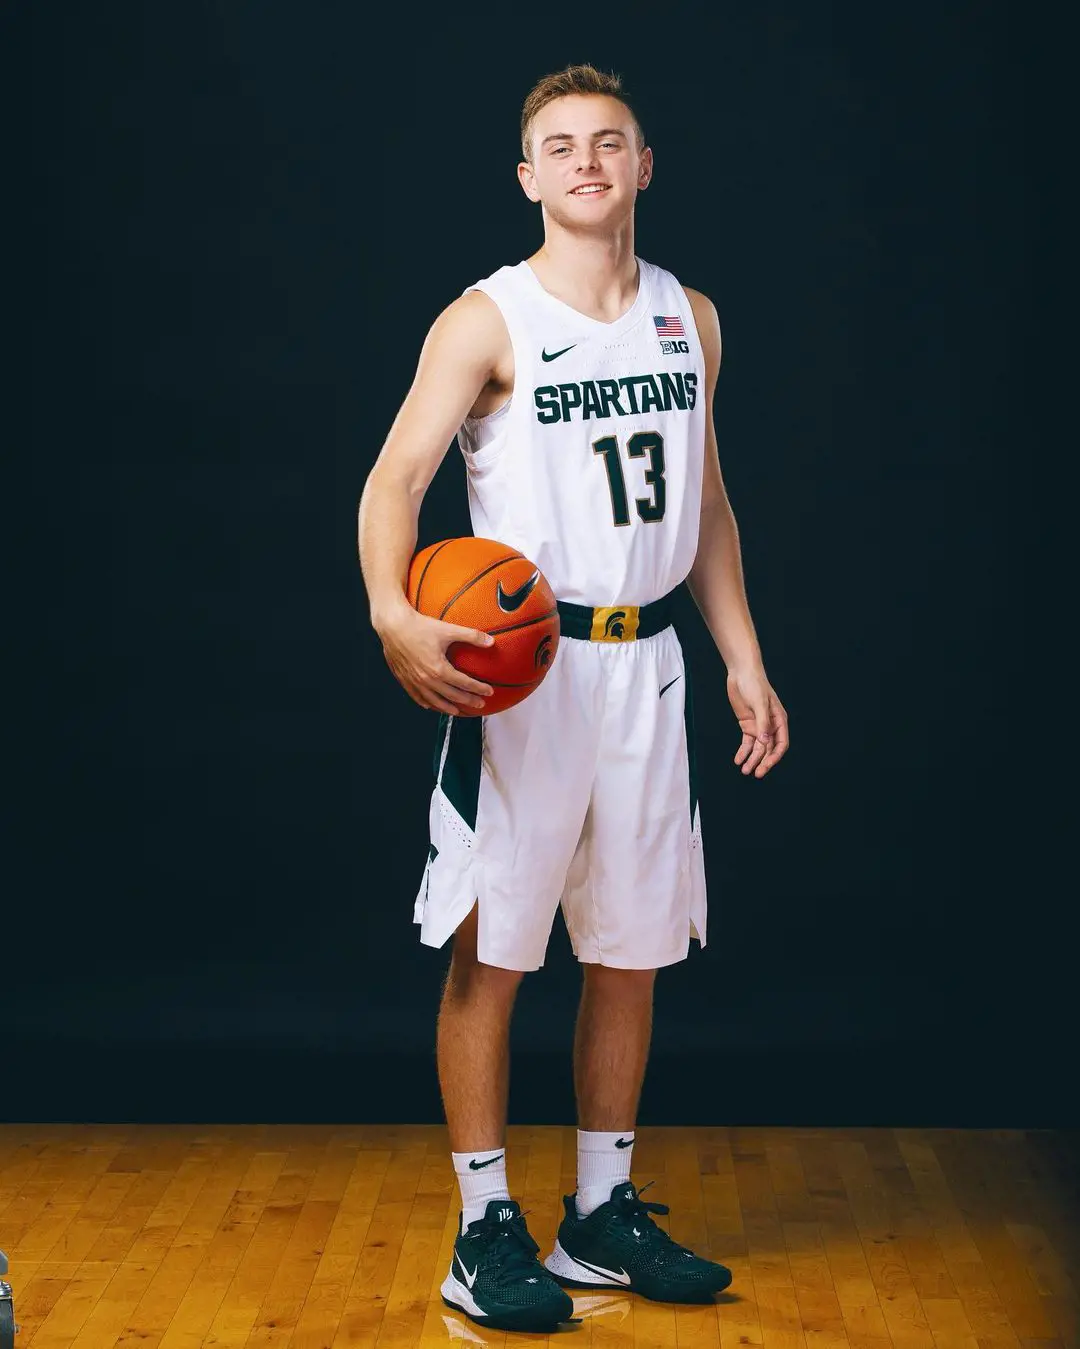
point(394, 482)
point(714, 503)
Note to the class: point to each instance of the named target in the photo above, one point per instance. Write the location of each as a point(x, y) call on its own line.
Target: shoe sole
point(566, 1271)
point(457, 1295)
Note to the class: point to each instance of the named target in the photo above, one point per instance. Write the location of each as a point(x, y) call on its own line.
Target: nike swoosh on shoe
point(620, 1277)
point(470, 1279)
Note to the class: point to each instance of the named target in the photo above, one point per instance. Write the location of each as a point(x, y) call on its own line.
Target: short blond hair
point(572, 80)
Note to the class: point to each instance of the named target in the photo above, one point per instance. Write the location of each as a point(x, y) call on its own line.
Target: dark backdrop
point(241, 220)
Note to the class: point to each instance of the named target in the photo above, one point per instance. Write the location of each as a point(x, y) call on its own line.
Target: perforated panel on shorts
point(455, 824)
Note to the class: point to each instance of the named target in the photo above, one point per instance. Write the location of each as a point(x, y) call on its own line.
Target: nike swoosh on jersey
point(669, 684)
point(474, 1165)
point(620, 1277)
point(470, 1279)
point(550, 356)
point(514, 599)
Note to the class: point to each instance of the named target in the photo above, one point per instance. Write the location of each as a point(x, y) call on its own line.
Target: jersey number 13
point(641, 444)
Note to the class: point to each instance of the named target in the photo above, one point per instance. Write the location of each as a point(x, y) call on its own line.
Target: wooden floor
point(313, 1236)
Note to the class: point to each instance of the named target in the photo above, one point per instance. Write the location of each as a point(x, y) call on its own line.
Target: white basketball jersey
point(593, 468)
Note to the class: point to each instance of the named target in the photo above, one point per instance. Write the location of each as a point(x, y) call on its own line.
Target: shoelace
point(638, 1210)
point(515, 1251)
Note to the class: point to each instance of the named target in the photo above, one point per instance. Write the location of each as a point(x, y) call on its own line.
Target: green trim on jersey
point(691, 752)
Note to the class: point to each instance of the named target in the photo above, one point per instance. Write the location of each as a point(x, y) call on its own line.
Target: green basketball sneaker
point(619, 1246)
point(496, 1279)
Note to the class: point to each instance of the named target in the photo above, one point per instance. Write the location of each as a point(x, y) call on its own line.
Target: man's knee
point(608, 981)
point(467, 972)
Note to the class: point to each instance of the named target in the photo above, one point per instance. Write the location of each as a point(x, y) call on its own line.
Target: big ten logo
point(675, 348)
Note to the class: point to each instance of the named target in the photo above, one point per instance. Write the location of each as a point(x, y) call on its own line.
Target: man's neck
point(597, 275)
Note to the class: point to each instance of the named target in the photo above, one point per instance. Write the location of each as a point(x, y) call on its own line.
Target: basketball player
point(579, 384)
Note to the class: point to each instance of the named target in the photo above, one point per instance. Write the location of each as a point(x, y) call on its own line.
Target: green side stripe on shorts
point(460, 779)
point(691, 751)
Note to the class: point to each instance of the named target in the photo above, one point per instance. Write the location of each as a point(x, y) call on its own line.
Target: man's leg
point(612, 1241)
point(611, 1046)
point(473, 1044)
point(611, 1049)
point(488, 1280)
point(473, 1053)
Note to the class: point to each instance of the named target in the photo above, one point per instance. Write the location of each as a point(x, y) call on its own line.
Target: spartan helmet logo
point(542, 658)
point(614, 625)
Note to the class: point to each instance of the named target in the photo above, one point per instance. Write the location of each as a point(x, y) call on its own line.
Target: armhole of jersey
point(690, 310)
point(482, 458)
point(697, 334)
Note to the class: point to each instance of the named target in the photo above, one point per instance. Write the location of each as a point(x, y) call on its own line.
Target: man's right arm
point(463, 350)
point(458, 359)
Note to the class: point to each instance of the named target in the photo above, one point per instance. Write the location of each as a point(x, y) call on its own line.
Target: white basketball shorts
point(584, 795)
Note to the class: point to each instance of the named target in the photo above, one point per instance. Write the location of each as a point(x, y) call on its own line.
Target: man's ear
point(527, 179)
point(645, 168)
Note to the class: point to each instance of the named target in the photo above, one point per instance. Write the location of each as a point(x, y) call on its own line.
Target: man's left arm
point(718, 588)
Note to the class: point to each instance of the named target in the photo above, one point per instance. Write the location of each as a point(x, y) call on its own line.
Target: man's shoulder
point(472, 322)
point(704, 310)
point(487, 292)
point(507, 274)
point(707, 322)
point(697, 298)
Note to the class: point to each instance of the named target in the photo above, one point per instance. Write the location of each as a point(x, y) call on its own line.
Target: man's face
point(586, 169)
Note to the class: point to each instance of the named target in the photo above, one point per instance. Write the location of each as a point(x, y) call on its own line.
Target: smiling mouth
point(590, 190)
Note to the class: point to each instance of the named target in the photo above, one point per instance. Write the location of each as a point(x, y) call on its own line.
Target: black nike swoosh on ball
point(546, 356)
point(669, 684)
point(474, 1165)
point(514, 599)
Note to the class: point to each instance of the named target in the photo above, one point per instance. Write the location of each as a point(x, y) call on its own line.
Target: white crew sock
point(481, 1176)
point(601, 1165)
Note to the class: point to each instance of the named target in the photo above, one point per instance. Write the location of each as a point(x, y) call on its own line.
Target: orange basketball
point(480, 583)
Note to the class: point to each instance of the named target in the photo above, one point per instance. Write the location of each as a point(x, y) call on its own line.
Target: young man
point(579, 384)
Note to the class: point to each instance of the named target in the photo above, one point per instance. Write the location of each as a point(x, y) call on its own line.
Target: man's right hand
point(415, 647)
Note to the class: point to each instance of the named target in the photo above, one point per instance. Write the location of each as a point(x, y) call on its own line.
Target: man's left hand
point(762, 718)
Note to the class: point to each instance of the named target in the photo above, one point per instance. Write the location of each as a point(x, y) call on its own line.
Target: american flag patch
point(668, 325)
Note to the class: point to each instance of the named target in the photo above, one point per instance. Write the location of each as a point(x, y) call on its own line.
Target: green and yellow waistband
point(617, 622)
